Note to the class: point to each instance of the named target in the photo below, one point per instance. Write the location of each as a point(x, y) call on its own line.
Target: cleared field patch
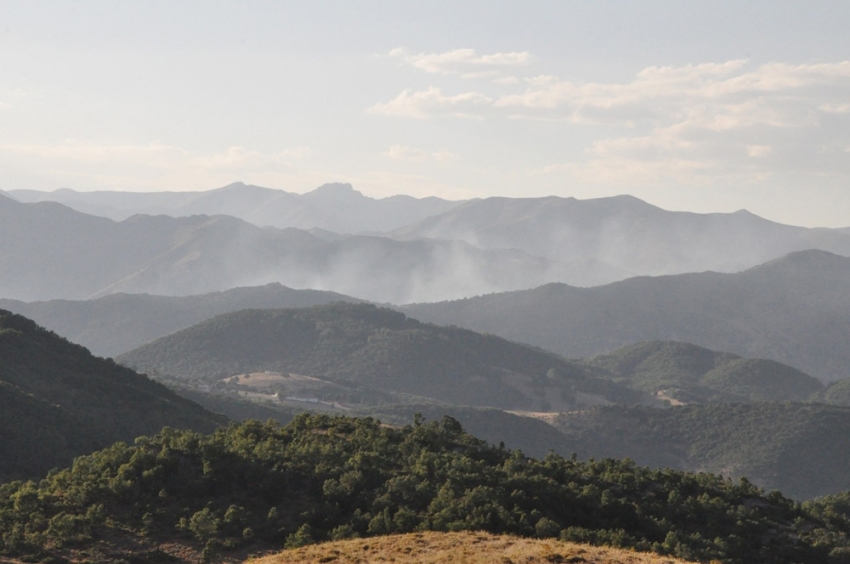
point(459, 548)
point(274, 380)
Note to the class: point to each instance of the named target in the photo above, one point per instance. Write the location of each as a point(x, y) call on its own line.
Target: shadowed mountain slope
point(117, 323)
point(801, 449)
point(794, 310)
point(336, 207)
point(625, 233)
point(379, 348)
point(58, 401)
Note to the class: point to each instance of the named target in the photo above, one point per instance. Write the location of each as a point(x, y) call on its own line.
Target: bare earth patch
point(459, 548)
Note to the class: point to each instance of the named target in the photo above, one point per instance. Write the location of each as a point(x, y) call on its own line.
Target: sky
point(700, 106)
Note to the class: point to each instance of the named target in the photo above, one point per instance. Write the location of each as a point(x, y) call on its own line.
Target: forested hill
point(794, 310)
point(360, 344)
point(57, 401)
point(801, 449)
point(255, 486)
point(692, 374)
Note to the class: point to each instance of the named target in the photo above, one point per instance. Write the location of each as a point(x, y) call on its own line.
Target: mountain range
point(627, 234)
point(118, 323)
point(794, 310)
point(362, 345)
point(336, 207)
point(335, 238)
point(49, 251)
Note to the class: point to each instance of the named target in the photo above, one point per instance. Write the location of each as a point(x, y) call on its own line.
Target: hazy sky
point(702, 106)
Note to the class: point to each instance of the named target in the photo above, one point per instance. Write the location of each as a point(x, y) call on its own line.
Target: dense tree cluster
point(323, 477)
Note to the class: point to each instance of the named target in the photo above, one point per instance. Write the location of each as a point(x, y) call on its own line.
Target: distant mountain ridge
point(49, 251)
point(117, 323)
point(625, 233)
point(794, 310)
point(336, 206)
point(405, 250)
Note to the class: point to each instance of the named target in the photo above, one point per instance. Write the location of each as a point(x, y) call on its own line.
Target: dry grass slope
point(459, 548)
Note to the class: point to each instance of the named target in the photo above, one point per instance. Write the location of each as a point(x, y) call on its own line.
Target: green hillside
point(255, 486)
point(800, 449)
point(381, 349)
point(58, 401)
point(837, 393)
point(794, 310)
point(689, 373)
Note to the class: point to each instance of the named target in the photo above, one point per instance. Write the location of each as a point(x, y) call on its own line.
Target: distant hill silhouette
point(794, 310)
point(118, 323)
point(57, 401)
point(336, 207)
point(49, 251)
point(455, 249)
point(625, 233)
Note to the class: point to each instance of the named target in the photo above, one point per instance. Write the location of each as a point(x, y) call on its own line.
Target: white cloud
point(432, 102)
point(405, 153)
point(678, 123)
point(835, 108)
point(757, 151)
point(443, 155)
point(464, 62)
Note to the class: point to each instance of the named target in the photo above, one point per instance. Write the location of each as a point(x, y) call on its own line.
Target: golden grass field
point(459, 548)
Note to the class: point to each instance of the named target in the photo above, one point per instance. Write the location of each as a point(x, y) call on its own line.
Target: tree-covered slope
point(800, 449)
point(59, 401)
point(836, 393)
point(379, 348)
point(689, 373)
point(794, 310)
point(255, 486)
